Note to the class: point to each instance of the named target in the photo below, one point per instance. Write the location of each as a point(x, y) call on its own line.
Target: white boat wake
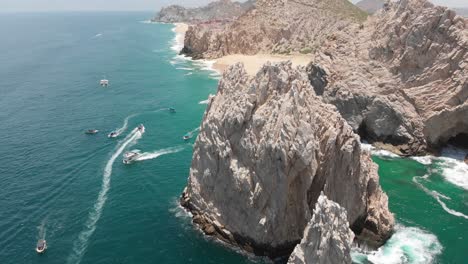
point(125, 124)
point(80, 245)
point(438, 196)
point(42, 229)
point(158, 153)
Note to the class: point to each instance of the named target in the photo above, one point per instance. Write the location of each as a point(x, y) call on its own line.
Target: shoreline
point(252, 63)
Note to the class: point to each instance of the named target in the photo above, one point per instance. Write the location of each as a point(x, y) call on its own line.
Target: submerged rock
point(327, 237)
point(266, 150)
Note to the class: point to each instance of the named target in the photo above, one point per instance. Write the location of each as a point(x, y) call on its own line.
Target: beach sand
point(252, 63)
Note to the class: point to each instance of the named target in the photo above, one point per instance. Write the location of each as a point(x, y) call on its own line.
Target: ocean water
point(73, 189)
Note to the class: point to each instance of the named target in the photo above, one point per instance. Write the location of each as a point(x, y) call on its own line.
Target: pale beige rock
point(266, 150)
point(327, 237)
point(274, 26)
point(402, 78)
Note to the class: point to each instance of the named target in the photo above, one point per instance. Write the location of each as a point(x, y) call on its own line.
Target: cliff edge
point(267, 148)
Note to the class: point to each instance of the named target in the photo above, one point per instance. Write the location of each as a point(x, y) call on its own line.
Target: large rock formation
point(266, 150)
point(370, 6)
point(219, 10)
point(402, 77)
point(327, 238)
point(276, 26)
point(399, 79)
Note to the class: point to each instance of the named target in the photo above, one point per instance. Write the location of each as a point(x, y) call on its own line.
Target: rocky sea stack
point(268, 146)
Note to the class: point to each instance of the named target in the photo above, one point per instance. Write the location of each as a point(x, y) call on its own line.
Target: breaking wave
point(407, 245)
point(80, 245)
point(378, 152)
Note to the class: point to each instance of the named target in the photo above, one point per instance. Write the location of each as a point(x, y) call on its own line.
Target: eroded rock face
point(218, 10)
point(402, 77)
point(273, 26)
point(327, 237)
point(266, 150)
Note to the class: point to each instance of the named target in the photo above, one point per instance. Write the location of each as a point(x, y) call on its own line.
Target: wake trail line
point(438, 198)
point(80, 245)
point(156, 154)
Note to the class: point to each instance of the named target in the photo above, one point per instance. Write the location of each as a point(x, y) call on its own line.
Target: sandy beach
point(252, 63)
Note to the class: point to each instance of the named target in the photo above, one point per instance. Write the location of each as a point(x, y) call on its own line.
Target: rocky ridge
point(273, 26)
point(223, 10)
point(399, 79)
point(402, 79)
point(267, 148)
point(327, 237)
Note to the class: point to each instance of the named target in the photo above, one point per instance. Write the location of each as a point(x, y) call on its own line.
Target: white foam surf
point(453, 167)
point(80, 245)
point(378, 152)
point(407, 245)
point(184, 68)
point(158, 153)
point(207, 100)
point(438, 197)
point(425, 160)
point(177, 44)
point(178, 41)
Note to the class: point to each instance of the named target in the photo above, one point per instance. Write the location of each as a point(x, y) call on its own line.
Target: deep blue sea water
point(74, 190)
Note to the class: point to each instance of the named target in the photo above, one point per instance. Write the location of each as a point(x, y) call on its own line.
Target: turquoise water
point(73, 189)
point(52, 173)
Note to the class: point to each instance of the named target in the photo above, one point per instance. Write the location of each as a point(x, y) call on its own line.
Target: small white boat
point(113, 134)
point(187, 136)
point(41, 246)
point(104, 82)
point(131, 156)
point(91, 131)
point(141, 128)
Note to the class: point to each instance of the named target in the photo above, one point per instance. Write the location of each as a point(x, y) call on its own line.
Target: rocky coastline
point(398, 82)
point(279, 156)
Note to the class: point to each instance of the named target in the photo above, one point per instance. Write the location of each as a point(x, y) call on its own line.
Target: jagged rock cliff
point(327, 237)
point(266, 150)
point(218, 10)
point(276, 26)
point(402, 78)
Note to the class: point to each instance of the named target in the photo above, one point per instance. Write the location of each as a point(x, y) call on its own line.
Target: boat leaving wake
point(407, 245)
point(80, 245)
point(158, 153)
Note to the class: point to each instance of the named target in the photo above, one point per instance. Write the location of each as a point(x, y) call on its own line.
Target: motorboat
point(104, 82)
point(131, 156)
point(113, 134)
point(41, 246)
point(141, 128)
point(91, 131)
point(172, 110)
point(187, 136)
